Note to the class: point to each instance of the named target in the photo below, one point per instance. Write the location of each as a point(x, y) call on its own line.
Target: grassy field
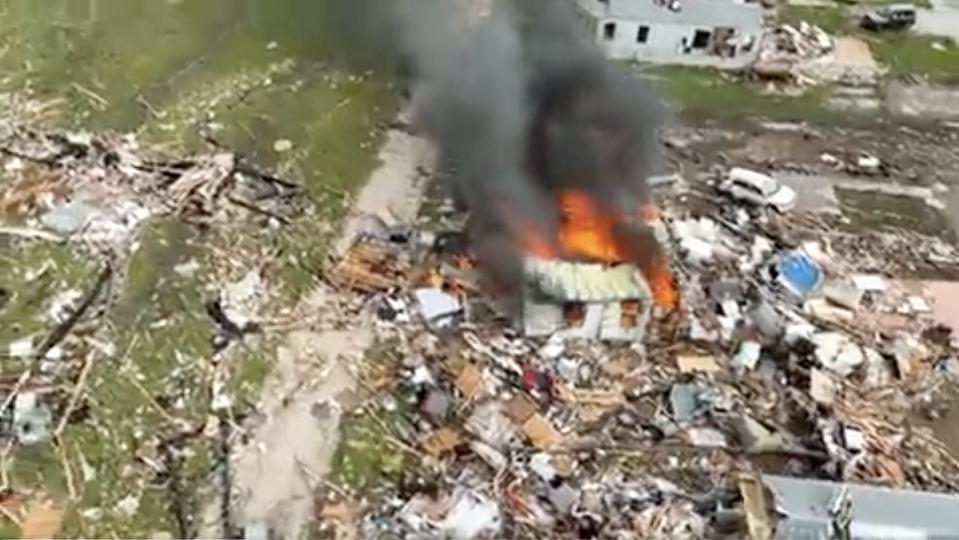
point(902, 53)
point(710, 93)
point(261, 70)
point(713, 94)
point(833, 19)
point(877, 211)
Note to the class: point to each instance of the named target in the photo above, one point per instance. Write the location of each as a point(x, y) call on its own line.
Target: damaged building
point(787, 397)
point(590, 300)
point(552, 171)
point(608, 299)
point(716, 33)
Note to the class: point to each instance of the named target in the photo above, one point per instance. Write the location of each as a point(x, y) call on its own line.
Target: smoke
point(523, 105)
point(601, 123)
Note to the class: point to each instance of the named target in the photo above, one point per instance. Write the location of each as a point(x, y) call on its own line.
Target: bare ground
point(291, 450)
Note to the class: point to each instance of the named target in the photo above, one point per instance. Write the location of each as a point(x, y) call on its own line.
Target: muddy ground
point(913, 188)
point(917, 154)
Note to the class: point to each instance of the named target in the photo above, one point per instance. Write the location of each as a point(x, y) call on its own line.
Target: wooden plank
point(541, 433)
point(43, 521)
point(756, 506)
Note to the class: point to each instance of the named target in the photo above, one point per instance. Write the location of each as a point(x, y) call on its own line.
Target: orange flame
point(586, 232)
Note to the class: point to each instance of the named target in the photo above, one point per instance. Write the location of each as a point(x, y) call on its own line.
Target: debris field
point(593, 349)
point(779, 368)
point(74, 208)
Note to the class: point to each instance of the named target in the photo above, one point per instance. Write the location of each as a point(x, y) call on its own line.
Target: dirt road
point(275, 475)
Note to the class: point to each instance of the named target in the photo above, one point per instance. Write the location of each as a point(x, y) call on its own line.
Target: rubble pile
point(79, 200)
point(918, 255)
point(781, 372)
point(806, 55)
point(97, 189)
point(852, 246)
point(786, 47)
point(805, 41)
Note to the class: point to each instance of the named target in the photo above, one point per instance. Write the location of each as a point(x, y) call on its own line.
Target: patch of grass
point(936, 58)
point(109, 48)
point(263, 71)
point(33, 275)
point(715, 94)
point(832, 19)
point(335, 121)
point(290, 87)
point(159, 325)
point(366, 454)
point(367, 451)
point(9, 530)
point(870, 210)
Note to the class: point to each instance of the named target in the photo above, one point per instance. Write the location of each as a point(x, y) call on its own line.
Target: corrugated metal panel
point(877, 512)
point(579, 282)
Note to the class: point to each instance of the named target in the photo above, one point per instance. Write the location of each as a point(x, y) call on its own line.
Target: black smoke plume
point(522, 105)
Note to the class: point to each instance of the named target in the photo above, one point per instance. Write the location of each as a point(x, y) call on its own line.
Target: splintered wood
point(591, 405)
point(27, 192)
point(43, 521)
point(757, 507)
point(541, 433)
point(442, 441)
point(342, 516)
point(368, 267)
point(519, 409)
point(469, 381)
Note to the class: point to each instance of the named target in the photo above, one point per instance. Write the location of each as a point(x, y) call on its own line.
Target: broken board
point(469, 381)
point(541, 433)
point(442, 441)
point(369, 266)
point(43, 521)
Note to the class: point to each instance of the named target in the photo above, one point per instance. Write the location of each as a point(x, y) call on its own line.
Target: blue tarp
point(799, 273)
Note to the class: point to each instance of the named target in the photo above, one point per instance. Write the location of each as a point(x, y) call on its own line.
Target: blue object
point(799, 273)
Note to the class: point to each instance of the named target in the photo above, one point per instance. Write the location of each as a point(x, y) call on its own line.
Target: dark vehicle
point(891, 17)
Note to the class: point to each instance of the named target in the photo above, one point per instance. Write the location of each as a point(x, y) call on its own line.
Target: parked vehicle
point(892, 17)
point(758, 189)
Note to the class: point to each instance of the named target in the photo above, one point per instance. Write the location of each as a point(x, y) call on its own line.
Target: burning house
point(599, 291)
point(547, 146)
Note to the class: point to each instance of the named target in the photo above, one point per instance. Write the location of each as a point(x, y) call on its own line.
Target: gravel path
point(312, 367)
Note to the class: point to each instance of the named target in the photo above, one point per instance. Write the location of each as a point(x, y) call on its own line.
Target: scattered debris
point(803, 55)
point(88, 197)
point(776, 360)
point(787, 47)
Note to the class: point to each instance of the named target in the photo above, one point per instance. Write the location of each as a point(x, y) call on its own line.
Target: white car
point(758, 189)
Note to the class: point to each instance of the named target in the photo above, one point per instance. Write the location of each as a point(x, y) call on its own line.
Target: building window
point(642, 34)
point(701, 39)
point(609, 31)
